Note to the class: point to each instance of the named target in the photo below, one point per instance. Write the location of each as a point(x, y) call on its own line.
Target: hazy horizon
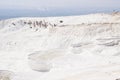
point(14, 13)
point(45, 8)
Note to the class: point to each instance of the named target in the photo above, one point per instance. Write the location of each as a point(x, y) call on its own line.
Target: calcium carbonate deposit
point(83, 47)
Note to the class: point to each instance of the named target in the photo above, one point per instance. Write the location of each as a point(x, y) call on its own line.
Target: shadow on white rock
point(117, 79)
point(42, 61)
point(6, 75)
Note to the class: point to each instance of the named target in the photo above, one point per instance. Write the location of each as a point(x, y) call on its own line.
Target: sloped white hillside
point(61, 48)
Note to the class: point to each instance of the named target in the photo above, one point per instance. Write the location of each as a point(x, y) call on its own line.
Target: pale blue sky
point(14, 8)
point(40, 4)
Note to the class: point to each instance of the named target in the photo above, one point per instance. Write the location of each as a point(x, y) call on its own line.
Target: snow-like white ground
point(72, 48)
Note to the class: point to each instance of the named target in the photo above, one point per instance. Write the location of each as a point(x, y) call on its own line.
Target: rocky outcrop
point(6, 75)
